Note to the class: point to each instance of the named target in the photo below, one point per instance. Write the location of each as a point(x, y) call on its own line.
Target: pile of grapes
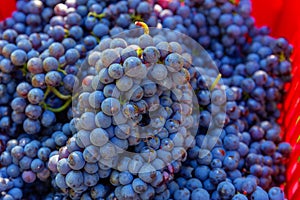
point(94, 104)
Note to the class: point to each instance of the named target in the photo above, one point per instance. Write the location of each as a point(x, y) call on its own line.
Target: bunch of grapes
point(93, 108)
point(25, 163)
point(136, 117)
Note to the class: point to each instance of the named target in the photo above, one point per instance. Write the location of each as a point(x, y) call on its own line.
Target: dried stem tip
point(144, 26)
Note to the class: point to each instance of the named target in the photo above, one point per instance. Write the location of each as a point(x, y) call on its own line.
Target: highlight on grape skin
point(139, 99)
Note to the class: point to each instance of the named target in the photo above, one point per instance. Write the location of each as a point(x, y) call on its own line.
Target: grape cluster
point(25, 162)
point(136, 116)
point(93, 108)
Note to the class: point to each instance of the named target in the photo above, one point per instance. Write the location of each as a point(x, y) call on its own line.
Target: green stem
point(75, 96)
point(281, 57)
point(67, 33)
point(57, 110)
point(98, 16)
point(135, 18)
point(122, 100)
point(24, 69)
point(47, 92)
point(98, 39)
point(215, 82)
point(246, 96)
point(201, 108)
point(60, 95)
point(62, 71)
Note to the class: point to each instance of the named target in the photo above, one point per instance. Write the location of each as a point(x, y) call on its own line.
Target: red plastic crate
point(283, 17)
point(6, 8)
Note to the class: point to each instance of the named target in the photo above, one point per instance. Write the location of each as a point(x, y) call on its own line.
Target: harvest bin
point(283, 18)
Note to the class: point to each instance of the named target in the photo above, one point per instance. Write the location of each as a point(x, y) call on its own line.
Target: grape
point(159, 72)
point(90, 179)
point(98, 191)
point(107, 151)
point(200, 193)
point(145, 41)
point(76, 160)
point(48, 118)
point(95, 99)
point(16, 193)
point(193, 184)
point(88, 121)
point(60, 181)
point(37, 165)
point(115, 71)
point(56, 50)
point(18, 57)
point(33, 111)
point(18, 104)
point(100, 30)
point(91, 154)
point(239, 197)
point(5, 158)
point(31, 148)
point(139, 186)
point(28, 176)
point(13, 171)
point(110, 106)
point(109, 57)
point(182, 194)
point(99, 137)
point(6, 66)
point(276, 193)
point(150, 55)
point(31, 126)
point(125, 178)
point(53, 79)
point(91, 168)
point(35, 96)
point(259, 194)
point(174, 62)
point(74, 179)
point(63, 166)
point(118, 42)
point(226, 190)
point(50, 64)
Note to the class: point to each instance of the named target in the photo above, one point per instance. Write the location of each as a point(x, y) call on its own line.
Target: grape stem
point(282, 57)
point(24, 69)
point(93, 34)
point(47, 93)
point(57, 110)
point(62, 71)
point(94, 14)
point(139, 52)
point(135, 18)
point(67, 33)
point(62, 108)
point(59, 95)
point(144, 26)
point(215, 82)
